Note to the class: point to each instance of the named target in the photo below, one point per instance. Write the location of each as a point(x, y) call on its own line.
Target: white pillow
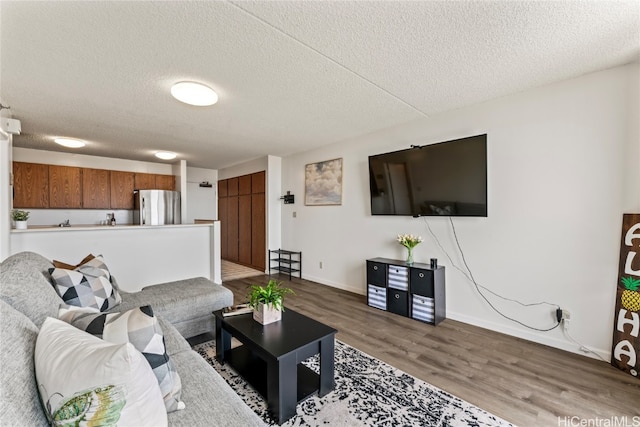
point(88, 380)
point(139, 327)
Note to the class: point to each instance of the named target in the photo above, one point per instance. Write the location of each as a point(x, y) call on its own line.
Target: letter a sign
point(626, 326)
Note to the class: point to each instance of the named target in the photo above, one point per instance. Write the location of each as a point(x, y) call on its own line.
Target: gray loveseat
point(183, 309)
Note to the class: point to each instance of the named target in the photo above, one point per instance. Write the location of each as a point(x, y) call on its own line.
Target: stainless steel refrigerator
point(156, 207)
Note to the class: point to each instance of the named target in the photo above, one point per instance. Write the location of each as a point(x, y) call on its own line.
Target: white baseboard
point(562, 344)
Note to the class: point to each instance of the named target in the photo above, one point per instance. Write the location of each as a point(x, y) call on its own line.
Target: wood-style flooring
point(525, 383)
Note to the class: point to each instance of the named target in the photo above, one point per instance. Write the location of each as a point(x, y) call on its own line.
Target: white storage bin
point(422, 308)
point(398, 277)
point(377, 297)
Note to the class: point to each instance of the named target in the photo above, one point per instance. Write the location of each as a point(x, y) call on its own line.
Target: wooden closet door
point(223, 217)
point(232, 231)
point(244, 229)
point(258, 232)
point(244, 184)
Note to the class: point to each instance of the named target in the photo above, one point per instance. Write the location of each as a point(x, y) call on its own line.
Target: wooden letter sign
point(626, 326)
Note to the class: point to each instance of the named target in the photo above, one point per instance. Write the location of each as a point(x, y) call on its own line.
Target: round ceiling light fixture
point(166, 155)
point(193, 93)
point(70, 142)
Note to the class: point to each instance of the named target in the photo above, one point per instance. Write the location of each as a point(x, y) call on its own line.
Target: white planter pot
point(21, 225)
point(266, 314)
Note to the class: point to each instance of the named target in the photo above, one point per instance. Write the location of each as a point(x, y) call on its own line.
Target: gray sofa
point(183, 309)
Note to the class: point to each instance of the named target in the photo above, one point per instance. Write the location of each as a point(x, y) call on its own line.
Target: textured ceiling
point(291, 75)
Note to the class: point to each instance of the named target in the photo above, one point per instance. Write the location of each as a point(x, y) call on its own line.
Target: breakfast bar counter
point(140, 255)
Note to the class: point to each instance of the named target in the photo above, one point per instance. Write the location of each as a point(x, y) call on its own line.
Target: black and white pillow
point(88, 285)
point(139, 327)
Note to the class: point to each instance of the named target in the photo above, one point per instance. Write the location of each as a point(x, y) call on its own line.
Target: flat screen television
point(443, 179)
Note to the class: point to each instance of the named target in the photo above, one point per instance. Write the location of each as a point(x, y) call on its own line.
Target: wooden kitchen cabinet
point(165, 182)
point(152, 181)
point(122, 185)
point(50, 186)
point(65, 187)
point(96, 189)
point(145, 181)
point(30, 185)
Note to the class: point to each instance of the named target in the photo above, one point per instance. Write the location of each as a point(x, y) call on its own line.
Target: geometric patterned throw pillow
point(139, 327)
point(84, 290)
point(93, 266)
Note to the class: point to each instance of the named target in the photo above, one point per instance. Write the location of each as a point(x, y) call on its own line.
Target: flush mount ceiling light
point(70, 142)
point(193, 93)
point(166, 155)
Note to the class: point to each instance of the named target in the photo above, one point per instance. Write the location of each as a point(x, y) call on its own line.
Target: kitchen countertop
point(96, 227)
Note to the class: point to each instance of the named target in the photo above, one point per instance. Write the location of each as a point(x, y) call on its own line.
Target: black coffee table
point(270, 357)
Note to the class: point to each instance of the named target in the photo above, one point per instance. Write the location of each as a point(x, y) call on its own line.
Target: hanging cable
point(469, 275)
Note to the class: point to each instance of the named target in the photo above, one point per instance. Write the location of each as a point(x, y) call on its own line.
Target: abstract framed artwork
point(323, 183)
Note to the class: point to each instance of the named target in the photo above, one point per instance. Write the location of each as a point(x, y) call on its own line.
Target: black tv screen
point(444, 179)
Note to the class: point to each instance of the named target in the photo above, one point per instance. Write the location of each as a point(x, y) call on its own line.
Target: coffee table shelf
point(254, 370)
point(270, 357)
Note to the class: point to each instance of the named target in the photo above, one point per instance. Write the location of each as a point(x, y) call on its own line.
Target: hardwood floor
point(525, 383)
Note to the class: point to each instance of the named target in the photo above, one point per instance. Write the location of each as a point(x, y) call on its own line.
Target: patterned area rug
point(368, 392)
point(232, 271)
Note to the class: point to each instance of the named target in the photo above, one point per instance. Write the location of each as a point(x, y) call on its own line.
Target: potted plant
point(409, 241)
point(267, 301)
point(20, 218)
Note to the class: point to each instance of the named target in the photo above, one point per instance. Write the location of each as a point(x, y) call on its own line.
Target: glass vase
point(409, 256)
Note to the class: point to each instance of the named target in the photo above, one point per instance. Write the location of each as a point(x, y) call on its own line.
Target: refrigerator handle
point(142, 211)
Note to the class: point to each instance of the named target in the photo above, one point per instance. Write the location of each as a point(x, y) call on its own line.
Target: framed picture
point(323, 183)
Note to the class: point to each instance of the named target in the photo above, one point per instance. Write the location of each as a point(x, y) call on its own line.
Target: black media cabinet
point(415, 291)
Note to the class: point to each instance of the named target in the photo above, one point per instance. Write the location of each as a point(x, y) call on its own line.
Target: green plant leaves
point(273, 293)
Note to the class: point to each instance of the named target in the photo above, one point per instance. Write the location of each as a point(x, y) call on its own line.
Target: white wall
point(203, 201)
point(560, 178)
point(85, 161)
point(5, 195)
point(246, 168)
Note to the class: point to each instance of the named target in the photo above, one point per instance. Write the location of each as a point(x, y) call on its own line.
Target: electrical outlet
point(562, 314)
point(294, 214)
point(320, 264)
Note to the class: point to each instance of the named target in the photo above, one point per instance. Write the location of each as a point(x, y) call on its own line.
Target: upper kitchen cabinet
point(145, 181)
point(165, 182)
point(30, 185)
point(96, 189)
point(122, 185)
point(152, 181)
point(65, 187)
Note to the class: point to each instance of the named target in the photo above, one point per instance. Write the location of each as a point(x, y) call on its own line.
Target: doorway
point(242, 215)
